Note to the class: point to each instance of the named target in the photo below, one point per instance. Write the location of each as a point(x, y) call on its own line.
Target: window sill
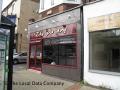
point(68, 66)
point(105, 72)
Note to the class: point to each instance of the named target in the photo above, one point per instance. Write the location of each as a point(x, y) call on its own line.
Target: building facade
point(56, 41)
point(101, 44)
point(49, 7)
point(21, 12)
point(55, 45)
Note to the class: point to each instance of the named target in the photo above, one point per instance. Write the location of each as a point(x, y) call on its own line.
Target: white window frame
point(52, 2)
point(42, 5)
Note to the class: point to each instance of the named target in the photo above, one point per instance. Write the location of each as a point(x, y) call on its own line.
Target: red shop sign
point(54, 32)
point(35, 37)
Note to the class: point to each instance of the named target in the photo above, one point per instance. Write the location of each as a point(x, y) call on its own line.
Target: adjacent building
point(55, 45)
point(102, 44)
point(55, 40)
point(21, 12)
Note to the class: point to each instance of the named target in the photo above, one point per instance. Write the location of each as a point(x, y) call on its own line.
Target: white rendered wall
point(47, 3)
point(98, 9)
point(16, 9)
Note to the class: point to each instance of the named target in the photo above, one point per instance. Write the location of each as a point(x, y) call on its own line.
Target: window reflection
point(60, 53)
point(105, 50)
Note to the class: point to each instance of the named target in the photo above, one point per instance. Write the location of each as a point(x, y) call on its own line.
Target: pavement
point(24, 79)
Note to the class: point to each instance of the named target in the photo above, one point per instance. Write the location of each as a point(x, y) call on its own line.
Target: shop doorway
point(115, 62)
point(35, 59)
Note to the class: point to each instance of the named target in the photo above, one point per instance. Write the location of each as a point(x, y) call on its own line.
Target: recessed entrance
point(35, 56)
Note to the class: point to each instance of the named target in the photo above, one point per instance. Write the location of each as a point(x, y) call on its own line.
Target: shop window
point(59, 51)
point(38, 52)
point(50, 54)
point(32, 52)
point(105, 50)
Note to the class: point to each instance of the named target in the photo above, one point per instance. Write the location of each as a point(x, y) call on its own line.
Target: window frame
point(91, 70)
point(72, 66)
point(42, 5)
point(52, 2)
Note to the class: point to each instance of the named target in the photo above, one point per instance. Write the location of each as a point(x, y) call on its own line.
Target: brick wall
point(57, 9)
point(27, 12)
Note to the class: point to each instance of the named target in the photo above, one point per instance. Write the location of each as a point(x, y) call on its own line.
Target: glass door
point(35, 56)
point(38, 56)
point(32, 56)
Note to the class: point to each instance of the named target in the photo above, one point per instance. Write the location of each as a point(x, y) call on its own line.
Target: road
point(19, 67)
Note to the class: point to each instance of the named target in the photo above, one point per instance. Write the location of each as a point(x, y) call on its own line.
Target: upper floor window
point(72, 0)
point(42, 4)
point(13, 7)
point(47, 4)
point(52, 2)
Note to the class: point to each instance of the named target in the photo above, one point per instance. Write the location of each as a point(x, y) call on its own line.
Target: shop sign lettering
point(53, 32)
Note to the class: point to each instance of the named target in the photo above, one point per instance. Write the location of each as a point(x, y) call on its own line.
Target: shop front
point(55, 50)
point(102, 44)
point(53, 46)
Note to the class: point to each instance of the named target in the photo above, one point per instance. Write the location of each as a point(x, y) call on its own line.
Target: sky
point(5, 3)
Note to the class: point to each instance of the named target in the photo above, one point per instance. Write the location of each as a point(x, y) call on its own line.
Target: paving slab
point(77, 86)
point(29, 80)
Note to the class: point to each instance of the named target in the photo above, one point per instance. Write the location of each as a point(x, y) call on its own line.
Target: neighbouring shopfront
point(102, 44)
point(55, 48)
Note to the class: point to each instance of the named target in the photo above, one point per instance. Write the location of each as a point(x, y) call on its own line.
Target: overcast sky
point(5, 3)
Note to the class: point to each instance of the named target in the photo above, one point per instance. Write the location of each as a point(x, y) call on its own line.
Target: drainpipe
point(10, 63)
point(82, 43)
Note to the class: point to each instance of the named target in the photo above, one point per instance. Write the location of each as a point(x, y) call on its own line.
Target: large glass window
point(105, 50)
point(60, 51)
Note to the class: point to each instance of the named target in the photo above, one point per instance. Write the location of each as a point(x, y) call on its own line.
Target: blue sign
point(12, 18)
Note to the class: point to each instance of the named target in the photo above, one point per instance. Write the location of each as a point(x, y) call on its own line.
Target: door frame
point(35, 44)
